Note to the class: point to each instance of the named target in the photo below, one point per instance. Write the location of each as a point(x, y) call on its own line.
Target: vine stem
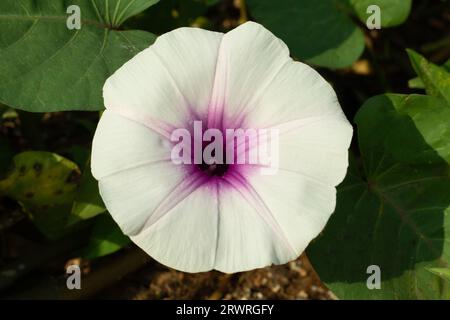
point(243, 11)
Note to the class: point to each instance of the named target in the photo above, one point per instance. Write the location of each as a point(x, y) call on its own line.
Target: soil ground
point(295, 280)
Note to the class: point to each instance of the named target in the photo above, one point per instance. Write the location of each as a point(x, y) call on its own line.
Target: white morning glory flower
point(225, 216)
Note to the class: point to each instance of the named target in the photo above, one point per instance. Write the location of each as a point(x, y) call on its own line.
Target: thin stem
point(243, 12)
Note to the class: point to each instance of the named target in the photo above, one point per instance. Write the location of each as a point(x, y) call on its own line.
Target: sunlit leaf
point(106, 238)
point(444, 273)
point(416, 83)
point(88, 202)
point(45, 184)
point(435, 79)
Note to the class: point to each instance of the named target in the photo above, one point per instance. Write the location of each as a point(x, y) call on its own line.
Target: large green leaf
point(115, 12)
point(45, 184)
point(44, 66)
point(435, 79)
point(315, 31)
point(393, 208)
point(393, 12)
point(322, 32)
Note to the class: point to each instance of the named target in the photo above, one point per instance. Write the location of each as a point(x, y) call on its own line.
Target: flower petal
point(246, 240)
point(249, 57)
point(318, 149)
point(314, 134)
point(185, 237)
point(120, 144)
point(313, 159)
point(169, 82)
point(264, 88)
point(134, 168)
point(301, 209)
point(295, 95)
point(314, 137)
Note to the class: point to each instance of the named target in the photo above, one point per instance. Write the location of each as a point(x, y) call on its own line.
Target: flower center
point(221, 152)
point(215, 169)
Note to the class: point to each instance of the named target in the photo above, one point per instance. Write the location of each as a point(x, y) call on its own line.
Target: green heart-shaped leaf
point(393, 208)
point(47, 67)
point(315, 31)
point(392, 12)
point(322, 32)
